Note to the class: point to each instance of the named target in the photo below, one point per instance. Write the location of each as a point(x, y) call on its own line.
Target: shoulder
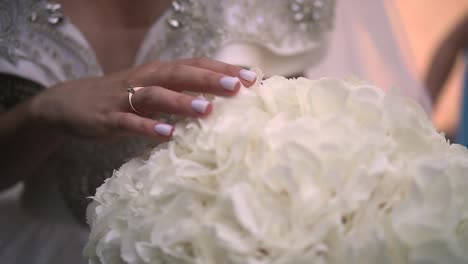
point(38, 44)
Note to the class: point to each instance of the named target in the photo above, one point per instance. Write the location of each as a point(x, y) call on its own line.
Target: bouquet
point(291, 171)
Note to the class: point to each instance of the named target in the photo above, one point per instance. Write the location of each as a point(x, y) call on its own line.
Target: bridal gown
point(42, 219)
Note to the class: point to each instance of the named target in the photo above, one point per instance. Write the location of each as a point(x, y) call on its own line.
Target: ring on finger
point(131, 91)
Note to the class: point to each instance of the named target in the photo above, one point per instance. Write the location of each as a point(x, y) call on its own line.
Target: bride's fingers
point(154, 99)
point(140, 125)
point(188, 78)
point(247, 77)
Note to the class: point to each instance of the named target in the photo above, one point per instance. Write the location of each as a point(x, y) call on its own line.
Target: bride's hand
point(99, 107)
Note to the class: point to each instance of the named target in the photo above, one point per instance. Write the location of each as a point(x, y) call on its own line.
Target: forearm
point(444, 58)
point(442, 64)
point(25, 144)
point(461, 33)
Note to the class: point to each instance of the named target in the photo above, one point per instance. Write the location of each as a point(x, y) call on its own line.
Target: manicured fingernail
point(247, 75)
point(200, 105)
point(229, 83)
point(164, 129)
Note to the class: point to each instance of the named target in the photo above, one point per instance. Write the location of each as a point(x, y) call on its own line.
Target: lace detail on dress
point(15, 90)
point(84, 165)
point(8, 29)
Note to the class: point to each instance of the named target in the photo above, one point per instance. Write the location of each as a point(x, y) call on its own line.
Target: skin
point(114, 27)
point(98, 108)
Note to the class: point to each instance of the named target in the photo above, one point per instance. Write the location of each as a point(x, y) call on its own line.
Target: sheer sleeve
point(15, 89)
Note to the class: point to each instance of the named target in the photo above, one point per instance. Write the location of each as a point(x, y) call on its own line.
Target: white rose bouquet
point(291, 171)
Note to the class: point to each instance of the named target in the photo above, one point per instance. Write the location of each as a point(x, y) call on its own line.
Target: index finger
point(245, 76)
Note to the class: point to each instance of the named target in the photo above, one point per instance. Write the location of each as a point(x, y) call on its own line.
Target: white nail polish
point(229, 83)
point(163, 129)
point(200, 105)
point(247, 75)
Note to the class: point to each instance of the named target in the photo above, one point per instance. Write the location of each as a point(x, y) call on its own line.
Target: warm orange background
point(426, 22)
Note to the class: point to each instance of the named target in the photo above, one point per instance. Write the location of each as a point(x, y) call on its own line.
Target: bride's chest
point(114, 29)
point(115, 50)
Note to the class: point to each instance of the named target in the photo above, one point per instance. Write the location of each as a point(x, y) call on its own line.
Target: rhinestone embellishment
point(174, 23)
point(305, 12)
point(182, 10)
point(49, 13)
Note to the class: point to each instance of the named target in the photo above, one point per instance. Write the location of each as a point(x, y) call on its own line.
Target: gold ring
point(131, 91)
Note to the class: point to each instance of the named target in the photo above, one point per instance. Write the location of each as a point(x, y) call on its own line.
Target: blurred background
point(426, 23)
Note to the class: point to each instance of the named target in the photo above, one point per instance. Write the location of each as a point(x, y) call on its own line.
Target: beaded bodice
point(201, 28)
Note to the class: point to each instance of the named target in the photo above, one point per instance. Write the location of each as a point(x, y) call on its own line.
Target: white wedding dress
point(38, 222)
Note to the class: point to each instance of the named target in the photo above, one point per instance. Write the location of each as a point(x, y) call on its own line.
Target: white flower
point(291, 171)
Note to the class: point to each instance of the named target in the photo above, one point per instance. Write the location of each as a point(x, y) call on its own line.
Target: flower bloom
point(291, 171)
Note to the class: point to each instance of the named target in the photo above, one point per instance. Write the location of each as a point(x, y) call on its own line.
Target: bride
point(69, 73)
